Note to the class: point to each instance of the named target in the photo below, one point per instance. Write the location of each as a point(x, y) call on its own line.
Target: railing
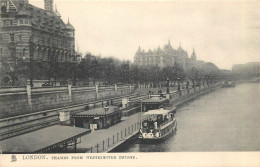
point(48, 89)
point(111, 141)
point(61, 88)
point(13, 90)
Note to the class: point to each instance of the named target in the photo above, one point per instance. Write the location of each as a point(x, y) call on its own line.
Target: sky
point(221, 32)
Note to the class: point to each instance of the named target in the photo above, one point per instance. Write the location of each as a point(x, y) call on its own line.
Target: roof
point(97, 112)
point(40, 139)
point(44, 19)
point(155, 100)
point(69, 26)
point(160, 111)
point(23, 12)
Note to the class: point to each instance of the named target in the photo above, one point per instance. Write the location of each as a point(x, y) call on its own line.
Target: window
point(1, 52)
point(26, 22)
point(4, 23)
point(20, 37)
point(21, 21)
point(7, 23)
point(3, 9)
point(12, 37)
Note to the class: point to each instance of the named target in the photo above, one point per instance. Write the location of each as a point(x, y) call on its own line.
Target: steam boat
point(228, 84)
point(159, 124)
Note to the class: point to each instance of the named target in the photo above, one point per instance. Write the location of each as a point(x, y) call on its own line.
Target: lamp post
point(30, 60)
point(106, 109)
point(168, 91)
point(199, 82)
point(203, 82)
point(187, 85)
point(179, 86)
point(13, 67)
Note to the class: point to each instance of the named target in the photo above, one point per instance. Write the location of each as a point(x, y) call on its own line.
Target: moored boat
point(158, 126)
point(228, 84)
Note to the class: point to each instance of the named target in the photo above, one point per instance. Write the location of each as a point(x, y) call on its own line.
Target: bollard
point(121, 134)
point(125, 132)
point(117, 137)
point(107, 142)
point(97, 148)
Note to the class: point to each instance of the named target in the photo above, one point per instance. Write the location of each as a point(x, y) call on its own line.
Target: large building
point(31, 33)
point(165, 57)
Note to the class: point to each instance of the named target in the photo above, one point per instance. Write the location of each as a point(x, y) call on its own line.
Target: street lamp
point(106, 109)
point(13, 67)
point(187, 85)
point(168, 91)
point(30, 60)
point(179, 87)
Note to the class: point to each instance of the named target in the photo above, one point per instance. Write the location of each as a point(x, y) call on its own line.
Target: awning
point(160, 111)
point(43, 139)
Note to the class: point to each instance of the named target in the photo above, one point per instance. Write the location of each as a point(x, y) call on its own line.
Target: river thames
point(226, 119)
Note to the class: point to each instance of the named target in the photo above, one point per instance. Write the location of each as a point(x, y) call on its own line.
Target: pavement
point(102, 140)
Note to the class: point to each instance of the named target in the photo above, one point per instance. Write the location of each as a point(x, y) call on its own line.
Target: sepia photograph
point(120, 82)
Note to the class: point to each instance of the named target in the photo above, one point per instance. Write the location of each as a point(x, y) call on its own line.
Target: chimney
point(48, 5)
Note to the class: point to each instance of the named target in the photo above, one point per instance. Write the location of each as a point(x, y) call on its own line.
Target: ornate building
point(31, 33)
point(158, 57)
point(165, 57)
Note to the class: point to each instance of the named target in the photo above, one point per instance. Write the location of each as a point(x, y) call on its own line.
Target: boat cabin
point(159, 124)
point(157, 117)
point(98, 118)
point(154, 102)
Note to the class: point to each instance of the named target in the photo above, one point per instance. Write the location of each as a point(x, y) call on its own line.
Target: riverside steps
point(107, 140)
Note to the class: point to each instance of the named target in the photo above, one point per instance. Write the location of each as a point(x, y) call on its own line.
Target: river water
point(227, 119)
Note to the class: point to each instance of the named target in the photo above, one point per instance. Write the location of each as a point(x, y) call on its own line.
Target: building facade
point(165, 57)
point(30, 33)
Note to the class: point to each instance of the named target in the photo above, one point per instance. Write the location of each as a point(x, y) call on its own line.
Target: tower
point(48, 5)
point(193, 56)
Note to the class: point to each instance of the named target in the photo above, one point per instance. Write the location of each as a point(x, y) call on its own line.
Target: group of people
point(153, 123)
